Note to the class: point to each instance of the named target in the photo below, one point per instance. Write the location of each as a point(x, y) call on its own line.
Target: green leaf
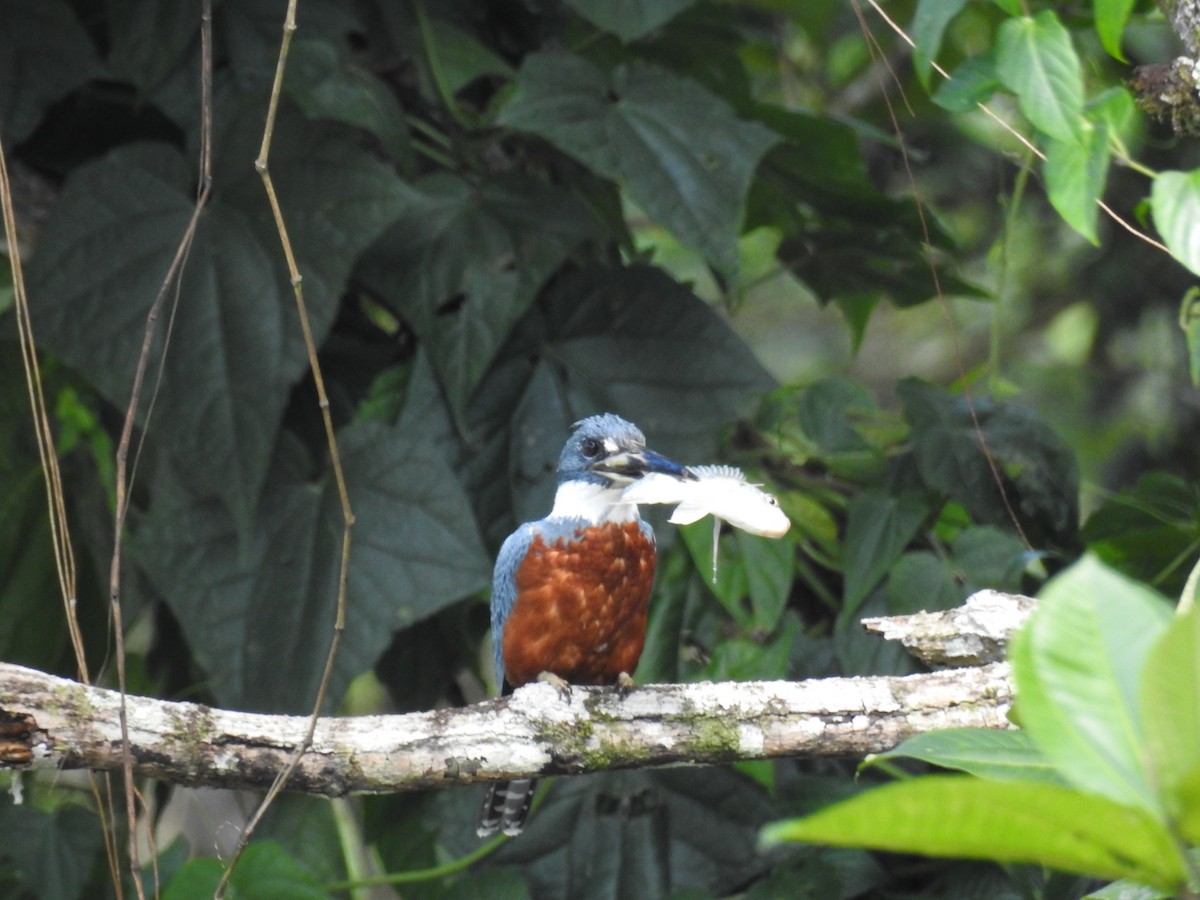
point(928, 25)
point(1185, 802)
point(1189, 321)
point(629, 19)
point(1130, 890)
point(921, 581)
point(634, 835)
point(1036, 61)
point(828, 410)
point(1075, 176)
point(1149, 532)
point(1117, 110)
point(638, 128)
point(465, 262)
point(730, 585)
point(769, 568)
point(983, 752)
point(259, 613)
point(52, 852)
point(46, 54)
point(1175, 203)
point(753, 659)
point(972, 83)
point(461, 58)
point(264, 871)
point(747, 565)
point(1170, 704)
point(1110, 18)
point(1011, 821)
point(1077, 665)
point(31, 617)
point(878, 528)
point(236, 347)
point(987, 557)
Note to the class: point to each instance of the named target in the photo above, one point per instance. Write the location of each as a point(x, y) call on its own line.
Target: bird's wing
point(504, 587)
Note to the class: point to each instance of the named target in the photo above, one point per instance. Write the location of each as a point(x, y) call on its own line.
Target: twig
point(122, 455)
point(304, 741)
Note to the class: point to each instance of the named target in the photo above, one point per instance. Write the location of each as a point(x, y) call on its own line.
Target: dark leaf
point(878, 528)
point(630, 341)
point(1148, 531)
point(150, 40)
point(629, 19)
point(44, 54)
point(236, 348)
point(641, 834)
point(1036, 469)
point(53, 852)
point(639, 127)
point(258, 611)
point(464, 263)
point(326, 86)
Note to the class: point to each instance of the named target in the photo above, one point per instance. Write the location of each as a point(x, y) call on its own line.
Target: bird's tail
point(506, 807)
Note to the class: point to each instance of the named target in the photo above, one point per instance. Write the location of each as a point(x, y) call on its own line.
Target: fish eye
point(589, 447)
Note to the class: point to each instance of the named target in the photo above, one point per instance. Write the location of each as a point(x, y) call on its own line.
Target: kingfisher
point(570, 591)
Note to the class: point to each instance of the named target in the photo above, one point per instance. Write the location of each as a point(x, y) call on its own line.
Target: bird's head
point(607, 450)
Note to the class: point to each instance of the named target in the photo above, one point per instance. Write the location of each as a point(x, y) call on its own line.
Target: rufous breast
point(580, 609)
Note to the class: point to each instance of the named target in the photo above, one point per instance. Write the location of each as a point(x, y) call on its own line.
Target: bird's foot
point(558, 683)
point(625, 684)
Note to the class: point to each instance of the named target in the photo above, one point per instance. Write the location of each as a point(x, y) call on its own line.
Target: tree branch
point(46, 721)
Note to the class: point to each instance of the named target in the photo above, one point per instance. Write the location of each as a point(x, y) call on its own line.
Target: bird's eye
point(589, 447)
point(771, 499)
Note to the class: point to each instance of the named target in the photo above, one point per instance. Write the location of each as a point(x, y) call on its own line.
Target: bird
point(570, 592)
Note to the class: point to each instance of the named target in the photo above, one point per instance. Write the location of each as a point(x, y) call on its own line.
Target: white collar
point(594, 503)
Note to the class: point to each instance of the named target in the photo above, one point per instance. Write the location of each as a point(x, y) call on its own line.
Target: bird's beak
point(630, 465)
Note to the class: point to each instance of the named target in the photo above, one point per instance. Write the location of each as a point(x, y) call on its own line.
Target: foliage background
point(510, 215)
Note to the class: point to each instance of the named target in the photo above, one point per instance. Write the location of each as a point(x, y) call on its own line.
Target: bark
point(1170, 91)
point(47, 722)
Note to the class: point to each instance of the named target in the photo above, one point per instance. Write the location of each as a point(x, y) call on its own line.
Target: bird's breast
point(580, 609)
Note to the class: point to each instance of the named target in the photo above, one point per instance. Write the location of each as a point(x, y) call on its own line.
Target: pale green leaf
point(928, 25)
point(1077, 666)
point(1170, 702)
point(970, 84)
point(1175, 202)
point(967, 818)
point(983, 752)
point(1110, 18)
point(1075, 175)
point(1036, 61)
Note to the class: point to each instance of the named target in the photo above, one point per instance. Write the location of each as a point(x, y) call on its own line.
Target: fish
point(720, 491)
